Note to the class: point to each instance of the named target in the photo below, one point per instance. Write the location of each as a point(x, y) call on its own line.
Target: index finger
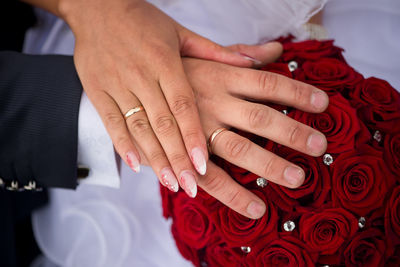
point(264, 85)
point(220, 185)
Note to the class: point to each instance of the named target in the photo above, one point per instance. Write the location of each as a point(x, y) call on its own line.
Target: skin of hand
point(221, 92)
point(128, 54)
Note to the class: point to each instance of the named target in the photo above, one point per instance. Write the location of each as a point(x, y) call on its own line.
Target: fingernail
point(256, 209)
point(247, 57)
point(316, 143)
point(133, 161)
point(188, 183)
point(199, 160)
point(169, 180)
point(319, 100)
point(293, 175)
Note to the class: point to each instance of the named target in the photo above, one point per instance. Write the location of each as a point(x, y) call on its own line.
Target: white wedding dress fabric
point(114, 218)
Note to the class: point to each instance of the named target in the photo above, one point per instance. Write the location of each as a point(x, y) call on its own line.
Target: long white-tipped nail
point(247, 57)
point(169, 180)
point(133, 161)
point(199, 160)
point(188, 183)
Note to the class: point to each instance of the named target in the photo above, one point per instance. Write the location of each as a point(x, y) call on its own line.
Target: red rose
point(392, 217)
point(186, 251)
point(316, 187)
point(360, 180)
point(237, 230)
point(339, 123)
point(311, 50)
point(280, 68)
point(192, 219)
point(218, 254)
point(284, 251)
point(392, 153)
point(329, 74)
point(366, 249)
point(326, 231)
point(378, 103)
point(394, 260)
point(166, 201)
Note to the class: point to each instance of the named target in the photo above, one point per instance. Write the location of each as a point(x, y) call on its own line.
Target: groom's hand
point(221, 92)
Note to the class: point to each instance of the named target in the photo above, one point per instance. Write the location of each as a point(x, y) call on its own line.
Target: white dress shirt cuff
point(95, 149)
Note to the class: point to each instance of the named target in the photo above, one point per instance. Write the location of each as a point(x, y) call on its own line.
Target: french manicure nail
point(133, 161)
point(199, 160)
point(293, 175)
point(316, 143)
point(256, 209)
point(247, 57)
point(319, 99)
point(169, 180)
point(188, 183)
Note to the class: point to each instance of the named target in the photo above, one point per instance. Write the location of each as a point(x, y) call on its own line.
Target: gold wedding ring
point(213, 136)
point(133, 111)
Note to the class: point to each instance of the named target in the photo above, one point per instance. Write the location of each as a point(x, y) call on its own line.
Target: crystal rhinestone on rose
point(293, 65)
point(262, 182)
point(246, 249)
point(289, 226)
point(361, 222)
point(378, 136)
point(328, 159)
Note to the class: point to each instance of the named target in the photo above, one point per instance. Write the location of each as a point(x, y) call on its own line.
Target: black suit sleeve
point(39, 106)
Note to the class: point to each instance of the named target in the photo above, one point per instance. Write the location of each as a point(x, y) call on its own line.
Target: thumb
point(241, 55)
point(194, 45)
point(264, 54)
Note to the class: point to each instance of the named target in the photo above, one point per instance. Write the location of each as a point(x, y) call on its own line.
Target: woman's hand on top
point(128, 55)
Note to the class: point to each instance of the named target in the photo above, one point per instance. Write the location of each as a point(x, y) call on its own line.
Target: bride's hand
point(128, 55)
point(221, 92)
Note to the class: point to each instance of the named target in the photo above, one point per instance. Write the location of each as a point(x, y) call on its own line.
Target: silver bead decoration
point(13, 186)
point(289, 226)
point(285, 111)
point(203, 264)
point(328, 159)
point(325, 265)
point(246, 249)
point(262, 182)
point(378, 136)
point(293, 65)
point(30, 186)
point(361, 222)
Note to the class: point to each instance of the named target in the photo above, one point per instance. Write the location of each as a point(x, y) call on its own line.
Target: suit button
point(1, 183)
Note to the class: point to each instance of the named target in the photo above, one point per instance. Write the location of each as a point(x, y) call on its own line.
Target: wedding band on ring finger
point(133, 111)
point(212, 137)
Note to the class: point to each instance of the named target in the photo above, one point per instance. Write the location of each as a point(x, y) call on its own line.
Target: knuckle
point(157, 156)
point(258, 116)
point(298, 93)
point(165, 124)
point(177, 159)
point(181, 104)
point(268, 83)
point(139, 125)
point(235, 199)
point(113, 120)
point(237, 147)
point(269, 167)
point(294, 133)
point(213, 183)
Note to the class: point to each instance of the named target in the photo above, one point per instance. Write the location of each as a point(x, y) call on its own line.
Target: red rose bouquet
point(347, 212)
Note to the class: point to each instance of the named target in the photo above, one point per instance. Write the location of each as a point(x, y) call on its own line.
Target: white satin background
point(103, 226)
